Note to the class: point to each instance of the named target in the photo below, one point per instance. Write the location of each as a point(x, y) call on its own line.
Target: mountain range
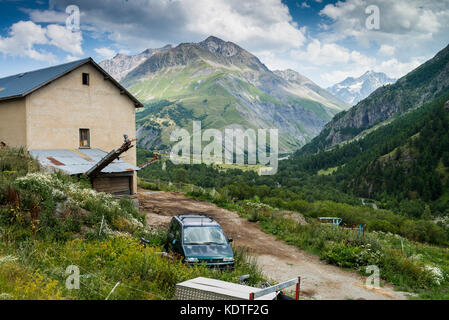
point(222, 85)
point(392, 147)
point(352, 90)
point(386, 103)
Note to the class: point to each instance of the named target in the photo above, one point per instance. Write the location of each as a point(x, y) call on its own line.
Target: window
point(204, 235)
point(86, 79)
point(84, 138)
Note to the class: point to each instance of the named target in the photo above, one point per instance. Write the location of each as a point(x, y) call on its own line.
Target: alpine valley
point(220, 84)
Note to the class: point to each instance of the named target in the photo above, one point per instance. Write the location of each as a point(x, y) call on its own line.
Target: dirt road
point(278, 260)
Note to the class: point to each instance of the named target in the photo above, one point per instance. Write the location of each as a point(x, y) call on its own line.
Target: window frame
point(85, 76)
point(81, 130)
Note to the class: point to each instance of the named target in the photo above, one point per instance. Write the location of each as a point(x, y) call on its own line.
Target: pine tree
point(427, 215)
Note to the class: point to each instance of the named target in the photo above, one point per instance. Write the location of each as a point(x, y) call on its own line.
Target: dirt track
point(278, 260)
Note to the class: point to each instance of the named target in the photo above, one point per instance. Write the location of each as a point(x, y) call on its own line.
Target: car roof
point(196, 220)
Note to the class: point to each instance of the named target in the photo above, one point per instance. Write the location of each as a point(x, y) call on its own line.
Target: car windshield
point(204, 235)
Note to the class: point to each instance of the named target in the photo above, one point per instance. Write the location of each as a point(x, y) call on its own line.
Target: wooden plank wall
point(114, 185)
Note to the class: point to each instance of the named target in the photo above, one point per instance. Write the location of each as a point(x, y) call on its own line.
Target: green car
point(199, 239)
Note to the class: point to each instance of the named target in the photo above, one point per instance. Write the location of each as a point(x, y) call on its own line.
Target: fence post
point(298, 288)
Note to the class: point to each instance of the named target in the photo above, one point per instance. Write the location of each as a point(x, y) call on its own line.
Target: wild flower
point(136, 223)
point(435, 273)
point(5, 296)
point(7, 259)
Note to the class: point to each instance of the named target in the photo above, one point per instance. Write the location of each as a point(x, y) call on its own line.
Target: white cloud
point(253, 24)
point(275, 61)
point(70, 58)
point(46, 16)
point(63, 38)
point(408, 31)
point(386, 50)
point(397, 69)
point(319, 53)
point(305, 5)
point(105, 53)
point(400, 21)
point(392, 67)
point(22, 38)
point(411, 31)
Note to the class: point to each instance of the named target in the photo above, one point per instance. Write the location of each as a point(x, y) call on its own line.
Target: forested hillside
point(418, 87)
point(405, 160)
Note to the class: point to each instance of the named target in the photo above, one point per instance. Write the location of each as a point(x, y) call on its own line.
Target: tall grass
point(51, 221)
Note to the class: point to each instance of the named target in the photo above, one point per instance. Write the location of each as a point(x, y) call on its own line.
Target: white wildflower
point(135, 222)
point(7, 259)
point(5, 296)
point(436, 273)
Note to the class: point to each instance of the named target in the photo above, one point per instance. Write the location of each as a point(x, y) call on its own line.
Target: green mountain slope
point(222, 84)
point(421, 85)
point(407, 159)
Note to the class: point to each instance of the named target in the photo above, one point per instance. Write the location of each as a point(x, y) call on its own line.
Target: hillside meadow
point(50, 221)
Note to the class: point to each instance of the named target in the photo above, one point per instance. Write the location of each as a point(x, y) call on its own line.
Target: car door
point(174, 235)
point(171, 234)
point(177, 246)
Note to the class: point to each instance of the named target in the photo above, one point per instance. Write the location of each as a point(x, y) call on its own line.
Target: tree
point(446, 159)
point(427, 214)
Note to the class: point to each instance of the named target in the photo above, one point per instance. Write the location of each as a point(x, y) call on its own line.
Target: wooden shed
point(116, 178)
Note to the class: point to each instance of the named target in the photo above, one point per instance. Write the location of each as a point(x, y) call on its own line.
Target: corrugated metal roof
point(78, 161)
point(22, 83)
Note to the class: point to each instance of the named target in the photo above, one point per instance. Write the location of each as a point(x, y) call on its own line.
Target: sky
point(326, 41)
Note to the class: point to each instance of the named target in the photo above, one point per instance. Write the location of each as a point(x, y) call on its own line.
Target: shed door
point(115, 185)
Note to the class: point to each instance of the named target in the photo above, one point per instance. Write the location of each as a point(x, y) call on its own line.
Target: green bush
point(382, 225)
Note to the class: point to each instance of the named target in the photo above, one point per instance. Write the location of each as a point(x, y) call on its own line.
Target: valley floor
point(278, 260)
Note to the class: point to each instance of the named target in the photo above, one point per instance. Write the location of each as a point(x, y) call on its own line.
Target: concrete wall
point(12, 122)
point(56, 112)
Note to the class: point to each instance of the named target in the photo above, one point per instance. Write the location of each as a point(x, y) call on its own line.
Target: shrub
point(341, 255)
point(382, 225)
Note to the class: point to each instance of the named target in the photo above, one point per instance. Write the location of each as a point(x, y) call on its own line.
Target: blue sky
point(326, 41)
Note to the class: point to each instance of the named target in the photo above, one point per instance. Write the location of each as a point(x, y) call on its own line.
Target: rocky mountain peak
point(152, 51)
point(122, 64)
point(353, 90)
point(217, 45)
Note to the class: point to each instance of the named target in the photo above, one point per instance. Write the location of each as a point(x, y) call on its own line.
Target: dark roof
point(22, 84)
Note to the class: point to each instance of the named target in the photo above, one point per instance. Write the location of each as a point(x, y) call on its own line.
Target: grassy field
point(51, 224)
point(327, 172)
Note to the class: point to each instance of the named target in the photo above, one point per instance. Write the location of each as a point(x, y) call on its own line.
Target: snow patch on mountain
point(352, 90)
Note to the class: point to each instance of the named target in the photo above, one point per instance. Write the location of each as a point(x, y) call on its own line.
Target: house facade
point(74, 107)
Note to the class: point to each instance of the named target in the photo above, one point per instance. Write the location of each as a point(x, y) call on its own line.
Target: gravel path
point(278, 260)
